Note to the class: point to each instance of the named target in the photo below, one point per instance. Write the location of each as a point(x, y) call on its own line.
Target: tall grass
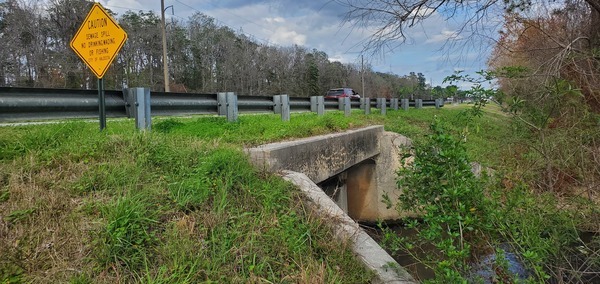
point(172, 206)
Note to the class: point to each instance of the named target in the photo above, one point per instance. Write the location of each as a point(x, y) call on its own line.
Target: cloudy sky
point(320, 25)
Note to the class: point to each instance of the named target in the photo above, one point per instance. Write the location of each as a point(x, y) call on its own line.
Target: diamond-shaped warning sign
point(98, 40)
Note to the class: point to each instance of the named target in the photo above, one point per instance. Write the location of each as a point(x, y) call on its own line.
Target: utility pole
point(362, 74)
point(164, 43)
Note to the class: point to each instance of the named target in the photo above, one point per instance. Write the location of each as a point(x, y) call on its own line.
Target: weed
point(4, 195)
point(10, 273)
point(190, 192)
point(165, 126)
point(127, 236)
point(19, 215)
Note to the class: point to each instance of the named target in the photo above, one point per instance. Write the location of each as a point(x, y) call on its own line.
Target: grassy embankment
point(180, 204)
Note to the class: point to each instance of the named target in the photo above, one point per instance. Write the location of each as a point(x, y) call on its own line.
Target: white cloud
point(443, 36)
point(319, 26)
point(275, 20)
point(423, 12)
point(124, 5)
point(283, 36)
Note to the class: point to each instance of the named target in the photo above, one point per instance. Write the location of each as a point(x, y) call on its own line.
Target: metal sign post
point(97, 43)
point(102, 104)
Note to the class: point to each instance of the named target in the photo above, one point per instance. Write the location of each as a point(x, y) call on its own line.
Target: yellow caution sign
point(98, 40)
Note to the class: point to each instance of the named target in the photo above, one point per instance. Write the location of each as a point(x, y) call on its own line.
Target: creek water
point(484, 267)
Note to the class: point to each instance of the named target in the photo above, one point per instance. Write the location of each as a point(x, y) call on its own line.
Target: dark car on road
point(342, 93)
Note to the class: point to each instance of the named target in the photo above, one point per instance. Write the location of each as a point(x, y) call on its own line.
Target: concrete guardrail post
point(139, 101)
point(367, 105)
point(418, 103)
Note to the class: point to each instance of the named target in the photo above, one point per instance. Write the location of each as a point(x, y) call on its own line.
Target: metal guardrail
point(164, 104)
point(18, 104)
point(22, 104)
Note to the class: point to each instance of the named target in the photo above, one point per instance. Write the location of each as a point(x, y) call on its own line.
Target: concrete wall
point(392, 146)
point(319, 157)
point(368, 157)
point(359, 166)
point(367, 182)
point(386, 269)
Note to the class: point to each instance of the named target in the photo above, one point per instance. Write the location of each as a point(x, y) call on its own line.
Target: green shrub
point(440, 187)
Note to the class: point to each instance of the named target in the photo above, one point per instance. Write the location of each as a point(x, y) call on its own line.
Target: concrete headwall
point(369, 158)
point(319, 157)
point(368, 182)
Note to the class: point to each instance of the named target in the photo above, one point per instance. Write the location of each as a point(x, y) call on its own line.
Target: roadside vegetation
point(120, 206)
point(181, 204)
point(532, 216)
point(177, 204)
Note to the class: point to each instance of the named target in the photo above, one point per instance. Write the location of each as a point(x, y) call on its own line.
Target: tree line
point(203, 57)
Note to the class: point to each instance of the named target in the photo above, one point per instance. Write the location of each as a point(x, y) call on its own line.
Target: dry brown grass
point(41, 231)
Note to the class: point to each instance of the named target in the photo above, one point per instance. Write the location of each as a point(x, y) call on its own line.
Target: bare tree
point(389, 20)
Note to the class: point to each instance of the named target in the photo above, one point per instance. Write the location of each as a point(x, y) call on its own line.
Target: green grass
point(180, 204)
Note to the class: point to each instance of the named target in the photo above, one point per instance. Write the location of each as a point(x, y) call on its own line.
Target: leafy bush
point(439, 186)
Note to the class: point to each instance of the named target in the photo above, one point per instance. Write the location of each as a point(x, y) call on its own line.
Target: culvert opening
point(355, 190)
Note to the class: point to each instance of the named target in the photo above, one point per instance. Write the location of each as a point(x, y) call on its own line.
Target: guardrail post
point(277, 104)
point(382, 105)
point(366, 105)
point(405, 104)
point(129, 102)
point(418, 103)
point(321, 105)
point(232, 107)
point(285, 107)
point(394, 103)
point(341, 104)
point(138, 101)
point(317, 104)
point(439, 103)
point(347, 110)
point(222, 103)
